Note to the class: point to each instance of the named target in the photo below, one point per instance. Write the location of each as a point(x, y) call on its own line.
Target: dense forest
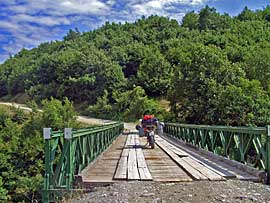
point(211, 67)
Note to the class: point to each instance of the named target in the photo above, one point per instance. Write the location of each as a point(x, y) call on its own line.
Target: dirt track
point(83, 119)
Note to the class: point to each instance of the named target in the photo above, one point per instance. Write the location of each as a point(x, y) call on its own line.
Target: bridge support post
point(69, 175)
point(48, 167)
point(267, 168)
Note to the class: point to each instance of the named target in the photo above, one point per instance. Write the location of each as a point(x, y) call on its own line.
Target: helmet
point(148, 117)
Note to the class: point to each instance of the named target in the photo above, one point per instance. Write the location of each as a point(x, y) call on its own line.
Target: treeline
point(22, 147)
point(213, 68)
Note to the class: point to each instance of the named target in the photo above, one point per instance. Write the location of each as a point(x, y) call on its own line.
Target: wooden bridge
point(107, 154)
point(129, 158)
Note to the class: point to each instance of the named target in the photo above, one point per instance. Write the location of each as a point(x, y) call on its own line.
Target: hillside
point(213, 68)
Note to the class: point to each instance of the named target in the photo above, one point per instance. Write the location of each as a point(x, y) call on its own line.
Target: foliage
point(257, 65)
point(200, 77)
point(194, 64)
point(155, 74)
point(134, 103)
point(102, 109)
point(129, 105)
point(57, 114)
point(244, 104)
point(3, 192)
point(22, 147)
point(190, 20)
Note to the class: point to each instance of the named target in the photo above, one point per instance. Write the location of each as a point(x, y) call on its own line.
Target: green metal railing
point(249, 145)
point(68, 153)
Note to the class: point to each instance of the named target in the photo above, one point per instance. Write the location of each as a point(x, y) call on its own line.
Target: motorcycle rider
point(147, 119)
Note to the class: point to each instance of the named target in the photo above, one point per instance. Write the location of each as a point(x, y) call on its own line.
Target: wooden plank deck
point(134, 166)
point(195, 169)
point(103, 169)
point(129, 159)
point(161, 167)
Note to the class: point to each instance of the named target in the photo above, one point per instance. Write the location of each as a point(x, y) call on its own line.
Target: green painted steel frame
point(238, 143)
point(64, 157)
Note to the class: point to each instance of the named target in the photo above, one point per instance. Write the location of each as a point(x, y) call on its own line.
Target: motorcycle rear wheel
point(151, 141)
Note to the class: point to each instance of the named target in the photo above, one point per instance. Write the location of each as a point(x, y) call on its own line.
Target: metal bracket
point(68, 133)
point(47, 133)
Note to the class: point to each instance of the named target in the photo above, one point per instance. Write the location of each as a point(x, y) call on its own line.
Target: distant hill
point(213, 68)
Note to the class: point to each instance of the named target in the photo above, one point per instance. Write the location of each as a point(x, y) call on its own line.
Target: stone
point(157, 200)
point(147, 195)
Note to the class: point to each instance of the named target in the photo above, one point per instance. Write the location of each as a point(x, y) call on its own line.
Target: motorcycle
point(150, 134)
point(147, 128)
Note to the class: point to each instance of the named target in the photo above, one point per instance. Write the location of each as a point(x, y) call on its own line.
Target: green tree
point(245, 103)
point(210, 19)
point(102, 108)
point(155, 74)
point(198, 81)
point(191, 20)
point(258, 65)
point(247, 14)
point(133, 103)
point(72, 34)
point(58, 115)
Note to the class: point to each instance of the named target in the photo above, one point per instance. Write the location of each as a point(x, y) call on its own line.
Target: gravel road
point(233, 191)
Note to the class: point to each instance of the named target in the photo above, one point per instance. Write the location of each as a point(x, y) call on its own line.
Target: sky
point(27, 23)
